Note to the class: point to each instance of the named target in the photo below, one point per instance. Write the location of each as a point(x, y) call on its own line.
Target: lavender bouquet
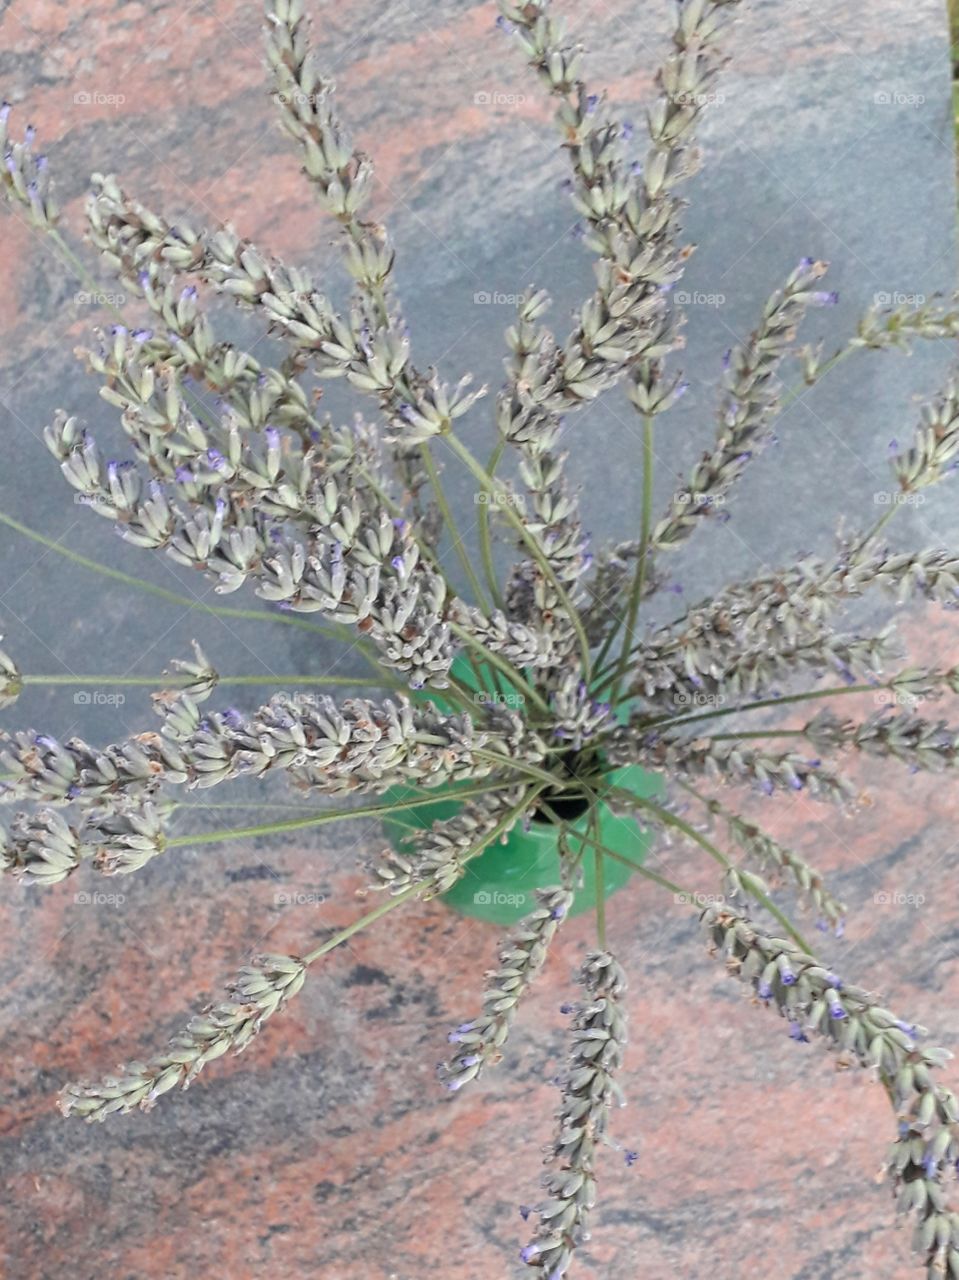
point(234, 472)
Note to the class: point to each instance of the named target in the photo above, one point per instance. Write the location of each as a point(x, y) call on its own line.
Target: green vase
point(499, 884)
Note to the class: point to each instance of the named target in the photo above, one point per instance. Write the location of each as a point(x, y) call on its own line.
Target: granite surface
point(327, 1151)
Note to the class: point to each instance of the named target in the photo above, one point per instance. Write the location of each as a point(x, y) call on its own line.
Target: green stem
point(523, 766)
point(863, 542)
point(83, 274)
point(485, 541)
point(671, 820)
point(656, 878)
point(600, 892)
point(162, 593)
point(412, 890)
point(319, 819)
point(833, 691)
point(451, 525)
point(174, 682)
point(639, 573)
point(371, 916)
point(491, 487)
point(218, 611)
point(826, 367)
point(511, 673)
point(757, 733)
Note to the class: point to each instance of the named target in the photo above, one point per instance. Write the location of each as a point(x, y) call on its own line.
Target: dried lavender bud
point(768, 852)
point(725, 761)
point(633, 226)
point(919, 743)
point(589, 1090)
point(203, 677)
point(437, 858)
point(880, 329)
point(11, 681)
point(521, 957)
point(578, 717)
point(700, 666)
point(750, 402)
point(852, 1022)
point(24, 177)
point(357, 746)
point(935, 446)
point(41, 848)
point(124, 839)
point(521, 645)
point(261, 989)
point(748, 633)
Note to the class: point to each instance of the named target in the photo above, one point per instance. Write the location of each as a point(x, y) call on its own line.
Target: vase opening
point(566, 807)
